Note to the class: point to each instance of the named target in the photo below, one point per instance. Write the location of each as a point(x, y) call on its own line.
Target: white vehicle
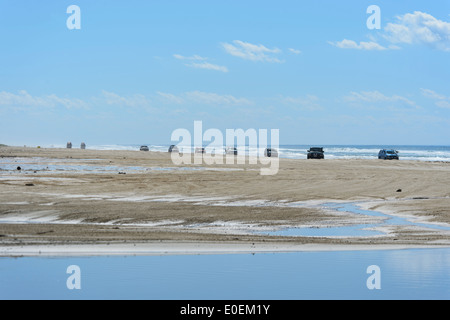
point(231, 150)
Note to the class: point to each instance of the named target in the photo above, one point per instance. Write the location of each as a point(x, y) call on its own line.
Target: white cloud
point(194, 57)
point(432, 94)
point(208, 66)
point(419, 28)
point(350, 44)
point(171, 98)
point(137, 100)
point(443, 104)
point(376, 97)
point(217, 99)
point(197, 97)
point(441, 100)
point(209, 98)
point(294, 51)
point(253, 52)
point(200, 63)
point(24, 99)
point(309, 102)
point(411, 28)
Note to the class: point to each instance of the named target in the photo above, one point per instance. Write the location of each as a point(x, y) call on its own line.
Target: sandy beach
point(63, 201)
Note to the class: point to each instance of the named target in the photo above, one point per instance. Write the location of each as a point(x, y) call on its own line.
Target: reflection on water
point(405, 274)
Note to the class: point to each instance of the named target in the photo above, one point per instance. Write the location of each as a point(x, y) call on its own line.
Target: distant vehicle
point(316, 153)
point(269, 152)
point(173, 148)
point(144, 148)
point(232, 151)
point(200, 150)
point(386, 154)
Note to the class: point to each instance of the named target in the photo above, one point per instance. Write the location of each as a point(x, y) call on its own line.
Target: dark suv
point(316, 153)
point(388, 155)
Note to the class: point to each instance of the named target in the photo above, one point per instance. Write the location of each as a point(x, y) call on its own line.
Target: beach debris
point(19, 168)
point(122, 173)
point(29, 184)
point(399, 190)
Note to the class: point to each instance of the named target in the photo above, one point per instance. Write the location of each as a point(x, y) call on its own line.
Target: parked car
point(231, 150)
point(316, 153)
point(200, 150)
point(270, 152)
point(387, 154)
point(144, 148)
point(173, 148)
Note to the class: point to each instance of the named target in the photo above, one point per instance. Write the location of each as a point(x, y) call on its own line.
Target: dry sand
point(141, 202)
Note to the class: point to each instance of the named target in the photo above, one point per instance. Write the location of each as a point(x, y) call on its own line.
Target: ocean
point(406, 152)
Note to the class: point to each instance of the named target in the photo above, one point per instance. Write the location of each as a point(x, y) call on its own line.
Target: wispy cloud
point(170, 98)
point(308, 102)
point(136, 100)
point(378, 98)
point(214, 98)
point(208, 98)
point(294, 51)
point(194, 57)
point(350, 44)
point(440, 100)
point(253, 52)
point(200, 62)
point(207, 66)
point(24, 99)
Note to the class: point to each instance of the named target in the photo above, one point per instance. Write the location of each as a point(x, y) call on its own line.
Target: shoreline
point(77, 199)
point(191, 248)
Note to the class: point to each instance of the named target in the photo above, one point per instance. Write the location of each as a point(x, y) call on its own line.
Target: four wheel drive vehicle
point(144, 148)
point(269, 152)
point(231, 150)
point(388, 155)
point(173, 148)
point(316, 153)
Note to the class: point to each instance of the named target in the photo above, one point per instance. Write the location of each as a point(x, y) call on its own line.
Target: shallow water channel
point(360, 230)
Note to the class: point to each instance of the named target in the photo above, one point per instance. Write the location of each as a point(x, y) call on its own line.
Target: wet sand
point(88, 199)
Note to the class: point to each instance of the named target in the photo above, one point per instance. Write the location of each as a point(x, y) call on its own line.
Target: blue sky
point(138, 70)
